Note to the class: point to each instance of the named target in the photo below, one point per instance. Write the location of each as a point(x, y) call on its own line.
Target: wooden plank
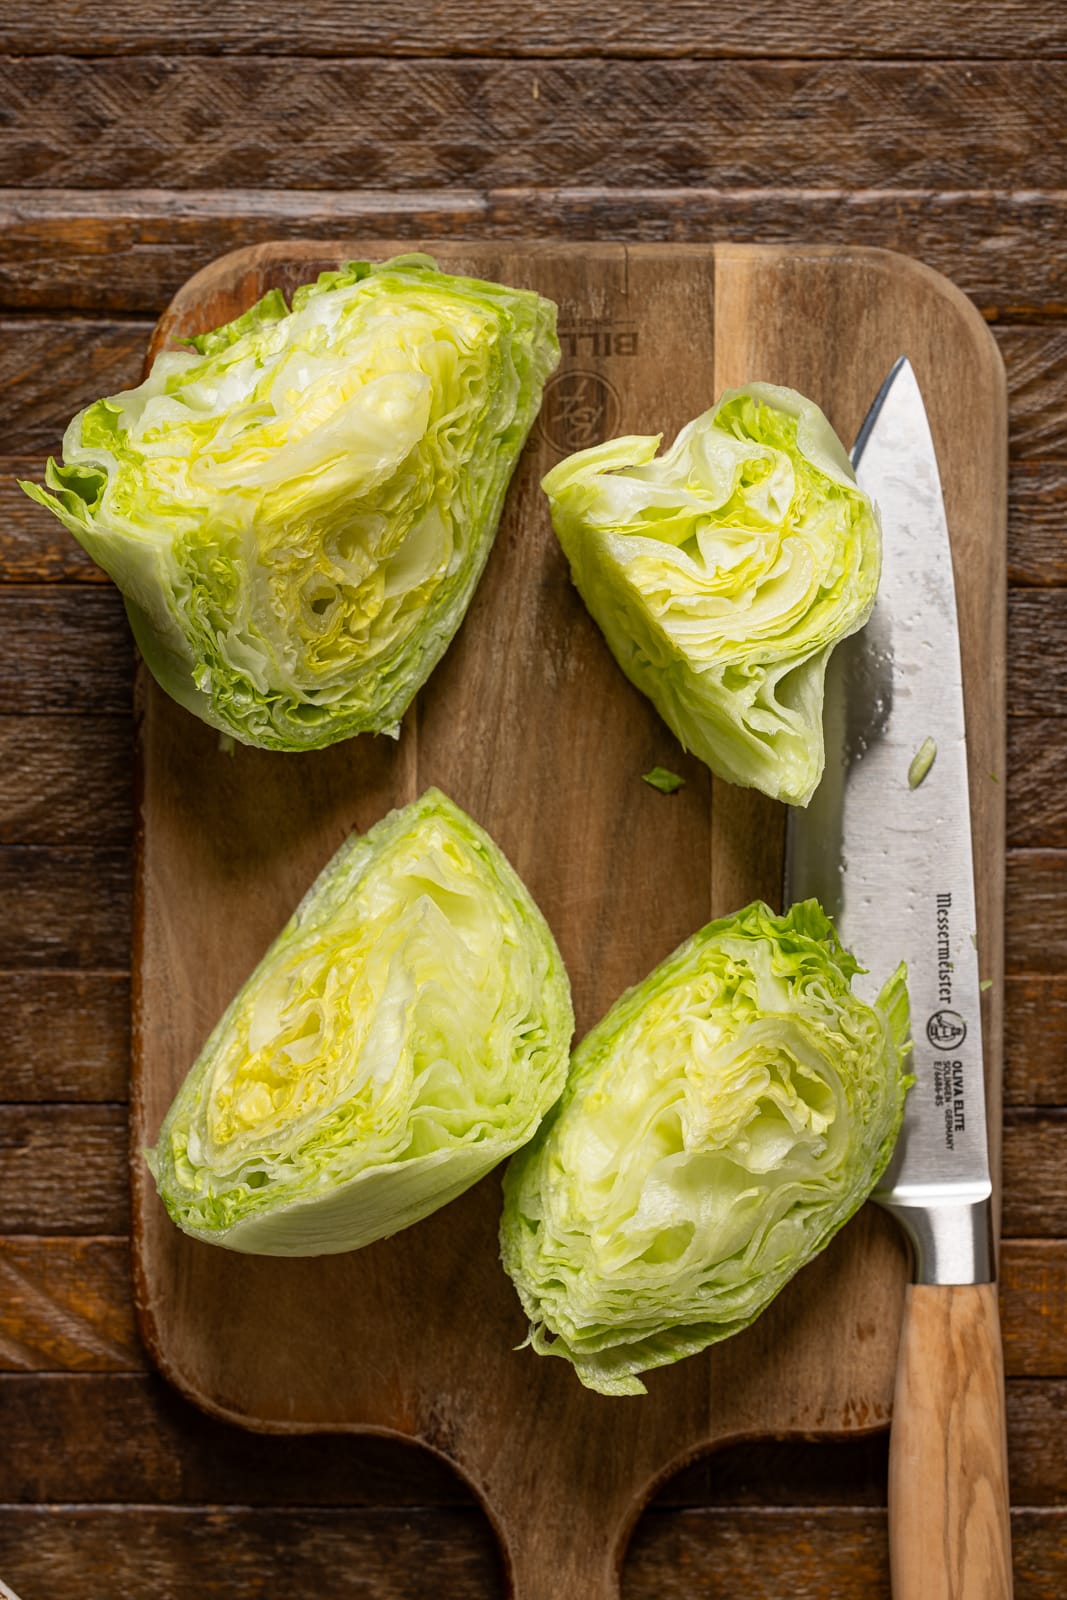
point(1037, 780)
point(1035, 1172)
point(762, 1473)
point(131, 251)
point(104, 251)
point(1035, 1041)
point(87, 1020)
point(1037, 651)
point(1033, 1301)
point(34, 546)
point(51, 369)
point(816, 1555)
point(65, 651)
point(64, 908)
point(1035, 912)
point(1036, 362)
point(818, 28)
point(226, 1553)
point(1035, 1451)
point(66, 1306)
point(67, 1036)
point(784, 1472)
point(164, 1451)
point(66, 780)
point(47, 1144)
point(161, 1450)
point(71, 907)
point(221, 1553)
point(1037, 549)
point(64, 1169)
point(206, 122)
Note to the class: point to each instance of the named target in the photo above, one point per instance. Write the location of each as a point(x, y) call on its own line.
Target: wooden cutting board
point(530, 726)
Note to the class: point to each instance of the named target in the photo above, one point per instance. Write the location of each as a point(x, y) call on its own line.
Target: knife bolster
point(952, 1238)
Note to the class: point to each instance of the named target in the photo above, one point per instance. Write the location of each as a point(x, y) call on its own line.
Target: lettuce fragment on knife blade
point(298, 509)
point(719, 1125)
point(406, 1031)
point(723, 572)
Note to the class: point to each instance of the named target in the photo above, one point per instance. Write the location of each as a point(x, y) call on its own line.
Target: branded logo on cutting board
point(579, 409)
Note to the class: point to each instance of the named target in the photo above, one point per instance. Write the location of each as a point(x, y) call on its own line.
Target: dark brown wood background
point(138, 141)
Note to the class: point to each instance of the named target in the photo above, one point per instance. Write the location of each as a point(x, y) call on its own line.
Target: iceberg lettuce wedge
point(723, 572)
point(406, 1031)
point(719, 1125)
point(298, 508)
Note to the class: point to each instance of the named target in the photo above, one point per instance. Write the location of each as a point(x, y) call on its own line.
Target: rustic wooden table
point(138, 141)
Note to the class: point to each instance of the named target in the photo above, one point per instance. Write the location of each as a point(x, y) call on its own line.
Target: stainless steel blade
point(892, 864)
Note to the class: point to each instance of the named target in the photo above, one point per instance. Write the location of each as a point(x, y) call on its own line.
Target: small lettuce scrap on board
point(720, 1124)
point(722, 574)
point(406, 1031)
point(298, 508)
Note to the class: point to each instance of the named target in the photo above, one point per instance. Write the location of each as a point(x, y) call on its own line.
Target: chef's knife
point(890, 859)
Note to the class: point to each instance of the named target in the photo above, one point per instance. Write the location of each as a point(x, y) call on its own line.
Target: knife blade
point(892, 864)
point(887, 851)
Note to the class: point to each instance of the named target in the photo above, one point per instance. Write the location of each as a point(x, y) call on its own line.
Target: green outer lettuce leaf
point(719, 1125)
point(298, 508)
point(406, 1031)
point(722, 574)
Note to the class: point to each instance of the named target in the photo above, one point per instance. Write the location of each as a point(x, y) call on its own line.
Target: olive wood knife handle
point(949, 1534)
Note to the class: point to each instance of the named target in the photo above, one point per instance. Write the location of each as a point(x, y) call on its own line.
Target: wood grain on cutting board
point(530, 726)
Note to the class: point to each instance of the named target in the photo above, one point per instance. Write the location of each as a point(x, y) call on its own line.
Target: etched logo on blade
point(946, 1030)
point(579, 409)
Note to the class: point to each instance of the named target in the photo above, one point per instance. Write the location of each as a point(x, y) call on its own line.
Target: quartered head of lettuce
point(719, 1126)
point(298, 509)
point(723, 572)
point(407, 1030)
